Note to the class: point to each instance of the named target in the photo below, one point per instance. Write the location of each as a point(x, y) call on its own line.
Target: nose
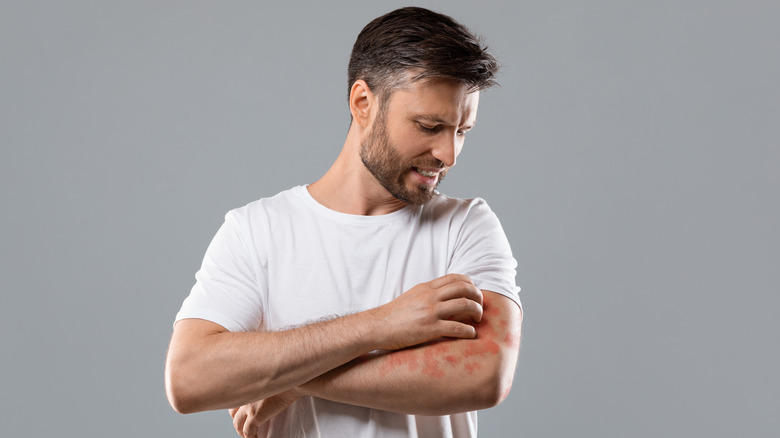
point(446, 149)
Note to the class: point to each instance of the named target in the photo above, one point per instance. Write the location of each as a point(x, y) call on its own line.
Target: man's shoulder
point(282, 199)
point(283, 202)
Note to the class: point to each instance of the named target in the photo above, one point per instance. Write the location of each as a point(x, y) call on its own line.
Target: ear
point(362, 103)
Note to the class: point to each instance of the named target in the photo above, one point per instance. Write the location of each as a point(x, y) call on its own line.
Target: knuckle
point(464, 330)
point(469, 304)
point(457, 329)
point(464, 278)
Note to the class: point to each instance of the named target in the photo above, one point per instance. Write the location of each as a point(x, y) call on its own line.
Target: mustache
point(426, 164)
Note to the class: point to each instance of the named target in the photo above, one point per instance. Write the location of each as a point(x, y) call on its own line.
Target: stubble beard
point(383, 160)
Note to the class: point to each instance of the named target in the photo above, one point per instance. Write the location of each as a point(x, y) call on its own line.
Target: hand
point(248, 418)
point(439, 308)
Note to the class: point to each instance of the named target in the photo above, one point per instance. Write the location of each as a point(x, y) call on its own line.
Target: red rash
point(511, 340)
point(409, 358)
point(398, 359)
point(473, 366)
point(430, 359)
point(430, 355)
point(451, 359)
point(486, 333)
point(488, 309)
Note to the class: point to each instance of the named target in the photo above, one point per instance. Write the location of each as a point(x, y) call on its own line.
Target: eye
point(428, 129)
point(462, 132)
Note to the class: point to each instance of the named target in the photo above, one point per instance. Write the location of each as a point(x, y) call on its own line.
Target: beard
point(382, 159)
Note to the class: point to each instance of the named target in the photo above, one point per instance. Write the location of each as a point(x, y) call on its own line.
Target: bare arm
point(437, 378)
point(211, 368)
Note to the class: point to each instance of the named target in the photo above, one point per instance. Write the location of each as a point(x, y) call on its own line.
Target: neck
point(348, 187)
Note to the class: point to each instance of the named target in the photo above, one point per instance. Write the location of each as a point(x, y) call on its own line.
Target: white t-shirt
point(285, 261)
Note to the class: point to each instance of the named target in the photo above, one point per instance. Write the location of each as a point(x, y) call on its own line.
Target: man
point(366, 303)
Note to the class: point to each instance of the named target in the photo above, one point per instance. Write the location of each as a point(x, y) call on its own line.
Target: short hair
point(421, 42)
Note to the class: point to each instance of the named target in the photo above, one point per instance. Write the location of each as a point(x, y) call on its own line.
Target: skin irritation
point(438, 355)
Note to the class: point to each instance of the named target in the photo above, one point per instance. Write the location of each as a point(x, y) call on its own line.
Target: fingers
point(239, 418)
point(449, 278)
point(460, 289)
point(250, 429)
point(455, 329)
point(416, 316)
point(245, 422)
point(248, 418)
point(460, 309)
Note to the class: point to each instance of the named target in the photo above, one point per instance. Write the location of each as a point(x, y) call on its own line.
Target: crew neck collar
point(303, 192)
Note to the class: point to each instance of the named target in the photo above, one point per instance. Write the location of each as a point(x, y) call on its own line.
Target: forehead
point(448, 100)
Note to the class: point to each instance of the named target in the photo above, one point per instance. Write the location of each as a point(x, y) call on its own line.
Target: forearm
point(211, 368)
point(437, 378)
point(230, 369)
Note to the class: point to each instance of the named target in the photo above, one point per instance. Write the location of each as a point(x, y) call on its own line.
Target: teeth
point(426, 173)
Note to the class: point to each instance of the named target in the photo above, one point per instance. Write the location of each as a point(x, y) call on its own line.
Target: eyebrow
point(438, 120)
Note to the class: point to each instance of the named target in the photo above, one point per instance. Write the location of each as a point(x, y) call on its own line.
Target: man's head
point(412, 44)
point(415, 78)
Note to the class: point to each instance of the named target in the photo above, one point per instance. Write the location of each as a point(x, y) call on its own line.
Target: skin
point(441, 377)
point(444, 106)
point(445, 346)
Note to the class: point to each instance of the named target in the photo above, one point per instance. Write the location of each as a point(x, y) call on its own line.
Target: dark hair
point(424, 43)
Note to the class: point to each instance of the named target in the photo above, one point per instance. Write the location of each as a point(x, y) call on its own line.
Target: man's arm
point(437, 378)
point(211, 368)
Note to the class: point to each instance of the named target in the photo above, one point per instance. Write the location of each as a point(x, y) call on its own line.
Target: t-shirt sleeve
point(482, 252)
point(227, 289)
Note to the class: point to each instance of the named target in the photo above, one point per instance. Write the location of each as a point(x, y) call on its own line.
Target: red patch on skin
point(512, 340)
point(486, 334)
point(451, 359)
point(473, 366)
point(439, 347)
point(397, 359)
point(488, 310)
point(481, 347)
point(485, 330)
point(431, 367)
point(484, 343)
point(426, 355)
point(431, 353)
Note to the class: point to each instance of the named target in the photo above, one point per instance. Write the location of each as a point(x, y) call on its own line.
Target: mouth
point(427, 173)
point(427, 177)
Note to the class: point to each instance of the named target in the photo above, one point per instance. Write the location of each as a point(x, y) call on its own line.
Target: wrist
point(293, 394)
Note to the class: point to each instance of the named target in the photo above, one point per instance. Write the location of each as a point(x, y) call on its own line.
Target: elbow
point(495, 392)
point(178, 398)
point(180, 402)
point(180, 392)
point(180, 405)
point(495, 386)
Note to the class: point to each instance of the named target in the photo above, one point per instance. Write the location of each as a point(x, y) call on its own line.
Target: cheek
point(410, 145)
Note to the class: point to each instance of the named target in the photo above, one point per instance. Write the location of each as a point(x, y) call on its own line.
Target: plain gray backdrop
point(631, 152)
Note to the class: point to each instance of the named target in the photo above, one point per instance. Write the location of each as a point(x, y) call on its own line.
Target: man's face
point(416, 137)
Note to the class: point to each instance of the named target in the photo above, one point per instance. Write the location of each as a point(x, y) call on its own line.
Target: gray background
point(631, 153)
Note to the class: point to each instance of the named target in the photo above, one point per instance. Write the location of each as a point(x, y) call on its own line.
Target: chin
point(420, 195)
